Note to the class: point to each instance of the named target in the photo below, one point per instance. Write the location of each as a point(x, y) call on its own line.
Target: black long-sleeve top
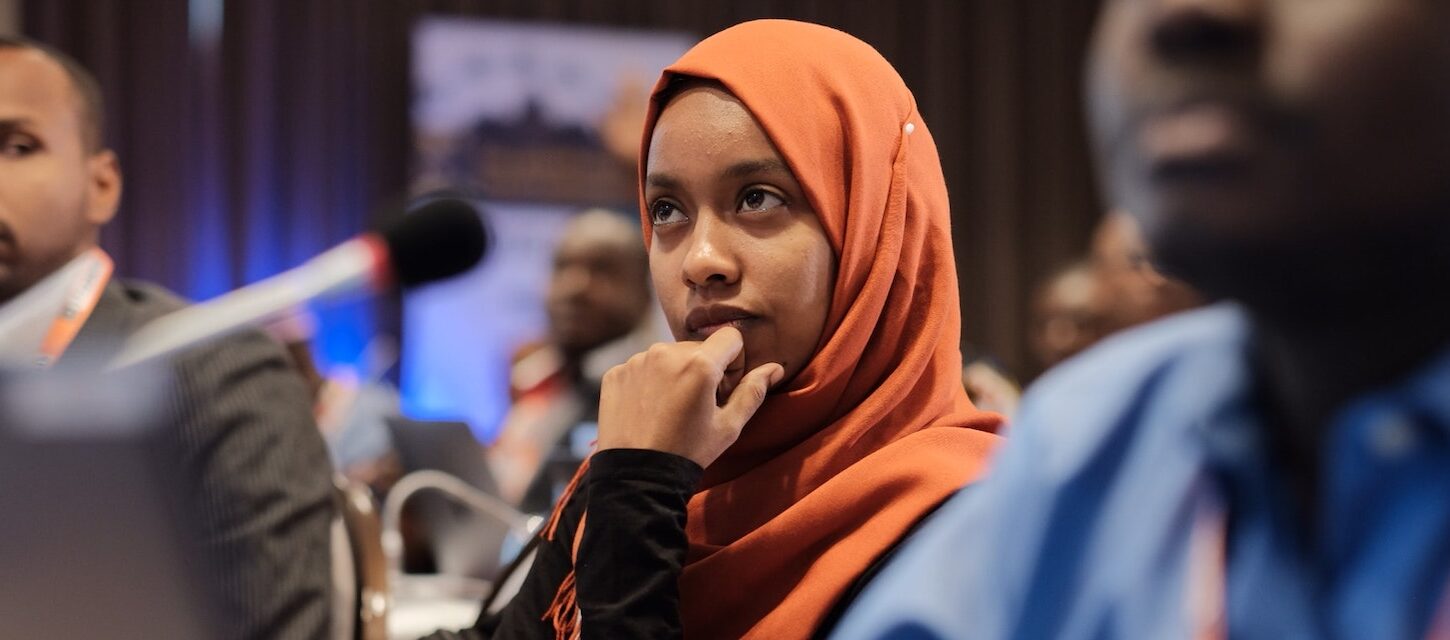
point(630, 559)
point(629, 567)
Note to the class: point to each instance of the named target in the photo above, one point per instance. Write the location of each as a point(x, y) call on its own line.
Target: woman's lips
point(701, 322)
point(706, 331)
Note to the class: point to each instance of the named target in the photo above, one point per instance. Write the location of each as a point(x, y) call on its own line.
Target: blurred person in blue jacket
point(1274, 466)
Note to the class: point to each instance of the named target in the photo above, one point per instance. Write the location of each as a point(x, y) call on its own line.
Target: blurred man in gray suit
point(257, 479)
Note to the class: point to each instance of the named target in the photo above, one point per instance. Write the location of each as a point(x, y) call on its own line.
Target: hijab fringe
point(563, 611)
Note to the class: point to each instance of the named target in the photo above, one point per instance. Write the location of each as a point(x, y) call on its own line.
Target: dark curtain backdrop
point(254, 143)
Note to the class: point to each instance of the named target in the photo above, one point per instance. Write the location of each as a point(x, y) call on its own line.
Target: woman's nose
point(710, 258)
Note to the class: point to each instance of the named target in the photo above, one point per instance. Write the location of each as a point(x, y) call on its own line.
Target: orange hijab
point(876, 430)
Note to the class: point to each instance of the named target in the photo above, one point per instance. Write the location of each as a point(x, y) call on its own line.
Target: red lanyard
point(1207, 592)
point(1205, 599)
point(80, 301)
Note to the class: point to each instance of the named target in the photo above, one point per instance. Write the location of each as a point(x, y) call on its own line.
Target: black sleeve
point(523, 617)
point(630, 558)
point(634, 543)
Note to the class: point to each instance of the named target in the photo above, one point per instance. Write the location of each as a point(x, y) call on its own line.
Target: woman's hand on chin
point(665, 398)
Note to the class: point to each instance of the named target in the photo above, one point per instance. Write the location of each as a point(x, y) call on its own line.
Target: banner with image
point(537, 122)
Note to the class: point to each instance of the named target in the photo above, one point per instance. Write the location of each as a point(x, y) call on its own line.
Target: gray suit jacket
point(257, 482)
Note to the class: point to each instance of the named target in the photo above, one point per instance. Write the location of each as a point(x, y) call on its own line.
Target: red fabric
point(876, 429)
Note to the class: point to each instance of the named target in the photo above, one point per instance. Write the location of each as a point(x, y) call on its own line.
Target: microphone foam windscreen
point(439, 240)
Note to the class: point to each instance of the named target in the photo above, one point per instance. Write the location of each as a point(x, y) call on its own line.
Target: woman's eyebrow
point(11, 124)
point(755, 167)
point(662, 180)
point(742, 169)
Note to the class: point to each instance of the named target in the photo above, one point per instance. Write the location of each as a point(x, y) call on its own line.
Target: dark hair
point(92, 107)
point(679, 82)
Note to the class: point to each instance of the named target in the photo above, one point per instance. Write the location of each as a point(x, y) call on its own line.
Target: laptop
point(444, 445)
point(463, 542)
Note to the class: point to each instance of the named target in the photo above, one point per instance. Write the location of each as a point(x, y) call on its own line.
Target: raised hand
point(677, 398)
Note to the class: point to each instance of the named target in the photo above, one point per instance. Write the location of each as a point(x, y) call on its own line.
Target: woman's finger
point(749, 395)
point(723, 346)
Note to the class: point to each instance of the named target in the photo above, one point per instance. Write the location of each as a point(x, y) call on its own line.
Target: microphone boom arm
point(343, 268)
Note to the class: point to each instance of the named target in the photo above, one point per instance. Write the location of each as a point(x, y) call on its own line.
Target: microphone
point(443, 238)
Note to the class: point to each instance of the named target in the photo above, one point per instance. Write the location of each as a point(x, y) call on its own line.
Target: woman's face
point(735, 242)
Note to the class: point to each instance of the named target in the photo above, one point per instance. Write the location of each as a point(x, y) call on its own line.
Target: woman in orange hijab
point(749, 476)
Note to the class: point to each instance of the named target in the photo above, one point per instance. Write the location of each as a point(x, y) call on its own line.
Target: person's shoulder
point(123, 308)
point(1101, 398)
point(1128, 360)
point(145, 301)
point(1095, 456)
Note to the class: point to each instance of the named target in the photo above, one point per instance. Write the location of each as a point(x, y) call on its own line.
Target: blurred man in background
point(1116, 287)
point(1070, 313)
point(258, 484)
point(1275, 467)
point(1138, 291)
point(598, 306)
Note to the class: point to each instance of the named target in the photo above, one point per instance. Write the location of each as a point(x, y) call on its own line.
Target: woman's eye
point(18, 144)
point(664, 212)
point(760, 200)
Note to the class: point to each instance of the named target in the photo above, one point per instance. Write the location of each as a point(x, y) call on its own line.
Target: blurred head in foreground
point(1286, 154)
